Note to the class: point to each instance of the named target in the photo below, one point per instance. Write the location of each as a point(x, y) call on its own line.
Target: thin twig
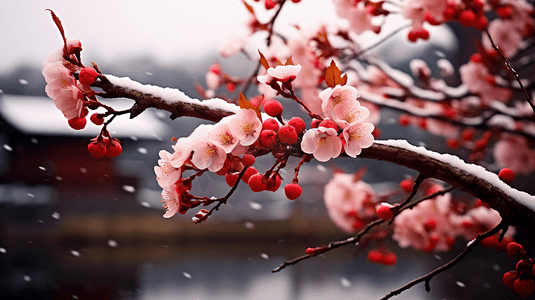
point(426, 278)
point(358, 237)
point(253, 75)
point(512, 70)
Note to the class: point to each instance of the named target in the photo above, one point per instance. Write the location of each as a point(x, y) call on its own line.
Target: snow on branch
point(516, 207)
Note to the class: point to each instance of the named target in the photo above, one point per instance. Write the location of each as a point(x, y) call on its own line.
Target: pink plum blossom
point(505, 35)
point(280, 73)
point(182, 151)
point(357, 137)
point(514, 152)
point(410, 225)
point(70, 101)
point(171, 200)
point(246, 126)
point(322, 142)
point(331, 97)
point(166, 174)
point(207, 155)
point(360, 19)
point(349, 201)
point(223, 137)
point(349, 112)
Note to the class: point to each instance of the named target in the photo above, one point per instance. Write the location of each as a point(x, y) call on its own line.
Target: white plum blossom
point(322, 142)
point(246, 126)
point(358, 136)
point(331, 97)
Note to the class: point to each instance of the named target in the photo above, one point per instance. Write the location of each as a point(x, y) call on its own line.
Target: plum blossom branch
point(427, 278)
point(516, 207)
point(359, 235)
point(528, 99)
point(270, 24)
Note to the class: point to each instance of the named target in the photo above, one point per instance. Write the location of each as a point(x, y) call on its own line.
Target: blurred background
point(76, 227)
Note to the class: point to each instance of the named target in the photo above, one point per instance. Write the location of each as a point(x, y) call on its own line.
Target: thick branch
point(517, 208)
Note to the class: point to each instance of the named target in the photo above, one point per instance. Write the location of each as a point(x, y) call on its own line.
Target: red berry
point(231, 87)
point(482, 22)
point(328, 123)
point(215, 68)
point(452, 143)
point(384, 211)
point(467, 135)
point(248, 173)
point(448, 13)
point(406, 185)
point(77, 123)
point(296, 1)
point(114, 149)
point(430, 224)
point(269, 4)
point(389, 259)
point(287, 134)
point(413, 36)
point(375, 256)
point(310, 251)
point(422, 123)
point(376, 132)
point(248, 160)
point(96, 149)
point(268, 138)
point(506, 175)
point(315, 123)
point(256, 184)
point(274, 183)
point(480, 144)
point(96, 120)
point(293, 191)
point(476, 58)
point(524, 288)
point(403, 120)
point(298, 124)
point(429, 18)
point(467, 18)
point(516, 251)
point(270, 124)
point(230, 178)
point(273, 108)
point(505, 12)
point(450, 113)
point(509, 279)
point(423, 34)
point(87, 76)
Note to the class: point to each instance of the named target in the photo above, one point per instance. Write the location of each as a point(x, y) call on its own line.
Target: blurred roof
point(36, 115)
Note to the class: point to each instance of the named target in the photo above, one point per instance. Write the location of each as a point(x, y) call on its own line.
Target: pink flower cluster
point(340, 104)
point(206, 148)
point(350, 202)
point(434, 225)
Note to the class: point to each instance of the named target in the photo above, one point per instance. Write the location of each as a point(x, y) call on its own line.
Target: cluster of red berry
point(272, 136)
point(382, 257)
point(521, 279)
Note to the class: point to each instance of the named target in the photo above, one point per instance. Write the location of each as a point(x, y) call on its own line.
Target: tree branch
point(514, 206)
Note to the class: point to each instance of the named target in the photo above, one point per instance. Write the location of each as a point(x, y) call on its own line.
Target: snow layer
point(170, 95)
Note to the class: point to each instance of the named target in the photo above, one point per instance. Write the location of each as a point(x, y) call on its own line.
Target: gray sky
point(170, 30)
